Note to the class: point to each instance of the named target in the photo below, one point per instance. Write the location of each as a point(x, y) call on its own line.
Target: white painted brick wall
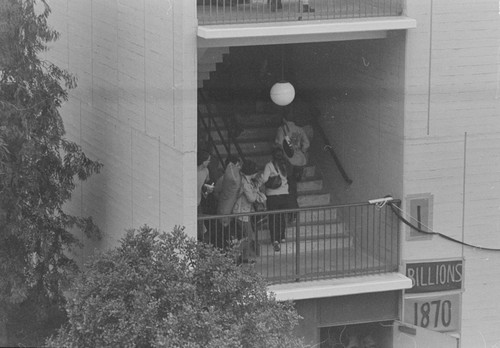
point(362, 116)
point(134, 110)
point(457, 134)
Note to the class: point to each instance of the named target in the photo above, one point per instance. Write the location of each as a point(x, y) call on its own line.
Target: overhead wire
point(398, 212)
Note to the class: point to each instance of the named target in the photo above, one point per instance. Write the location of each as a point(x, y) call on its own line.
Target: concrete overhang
point(340, 287)
point(249, 34)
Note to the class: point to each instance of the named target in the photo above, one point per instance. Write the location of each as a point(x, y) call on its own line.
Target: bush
point(39, 169)
point(167, 290)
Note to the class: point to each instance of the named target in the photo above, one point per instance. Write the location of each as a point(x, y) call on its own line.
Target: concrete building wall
point(452, 140)
point(134, 109)
point(358, 88)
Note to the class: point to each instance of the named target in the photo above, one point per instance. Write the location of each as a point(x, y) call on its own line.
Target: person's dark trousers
point(219, 234)
point(277, 223)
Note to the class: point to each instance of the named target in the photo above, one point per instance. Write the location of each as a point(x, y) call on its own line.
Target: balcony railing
point(257, 11)
point(321, 242)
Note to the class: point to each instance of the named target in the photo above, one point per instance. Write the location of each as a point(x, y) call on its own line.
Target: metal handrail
point(211, 140)
point(328, 147)
point(231, 139)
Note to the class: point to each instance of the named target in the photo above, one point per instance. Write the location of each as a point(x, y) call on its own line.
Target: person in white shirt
point(277, 198)
point(299, 144)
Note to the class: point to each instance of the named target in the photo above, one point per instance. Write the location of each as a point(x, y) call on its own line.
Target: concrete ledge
point(317, 27)
point(341, 287)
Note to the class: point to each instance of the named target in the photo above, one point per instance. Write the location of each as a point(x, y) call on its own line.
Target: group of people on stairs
point(243, 188)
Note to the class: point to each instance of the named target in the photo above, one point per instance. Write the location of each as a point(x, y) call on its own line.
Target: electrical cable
point(408, 223)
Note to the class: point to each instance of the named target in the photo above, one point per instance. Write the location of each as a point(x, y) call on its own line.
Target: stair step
point(314, 231)
point(309, 171)
point(315, 216)
point(309, 185)
point(260, 120)
point(249, 148)
point(260, 159)
point(308, 231)
point(311, 200)
point(209, 121)
point(289, 247)
point(257, 133)
point(206, 66)
point(324, 217)
point(268, 121)
point(213, 55)
point(203, 75)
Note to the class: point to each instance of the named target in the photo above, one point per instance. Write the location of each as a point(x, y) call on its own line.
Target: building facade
point(407, 93)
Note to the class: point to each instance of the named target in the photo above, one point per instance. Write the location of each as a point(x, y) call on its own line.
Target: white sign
point(438, 313)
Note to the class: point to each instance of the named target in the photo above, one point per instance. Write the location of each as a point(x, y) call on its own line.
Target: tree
point(39, 168)
point(167, 290)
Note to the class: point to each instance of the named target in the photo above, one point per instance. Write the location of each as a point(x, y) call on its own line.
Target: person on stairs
point(248, 195)
point(295, 144)
point(278, 198)
point(226, 191)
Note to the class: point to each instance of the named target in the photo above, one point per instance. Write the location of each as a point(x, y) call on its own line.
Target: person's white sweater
point(271, 170)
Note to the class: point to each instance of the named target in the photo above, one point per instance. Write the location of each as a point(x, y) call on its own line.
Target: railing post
point(297, 246)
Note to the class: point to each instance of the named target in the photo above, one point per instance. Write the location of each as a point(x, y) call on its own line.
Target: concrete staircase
point(256, 142)
point(207, 62)
point(318, 229)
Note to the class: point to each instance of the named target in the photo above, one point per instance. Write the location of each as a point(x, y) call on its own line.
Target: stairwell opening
point(352, 89)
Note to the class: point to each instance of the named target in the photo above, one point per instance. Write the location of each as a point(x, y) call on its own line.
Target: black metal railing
point(328, 147)
point(320, 242)
point(255, 11)
point(207, 118)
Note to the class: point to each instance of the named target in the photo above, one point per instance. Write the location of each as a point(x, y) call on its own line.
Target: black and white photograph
point(347, 161)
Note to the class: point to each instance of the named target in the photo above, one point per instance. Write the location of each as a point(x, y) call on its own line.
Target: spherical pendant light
point(282, 93)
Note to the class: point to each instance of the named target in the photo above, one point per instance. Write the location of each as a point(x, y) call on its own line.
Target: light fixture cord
point(283, 63)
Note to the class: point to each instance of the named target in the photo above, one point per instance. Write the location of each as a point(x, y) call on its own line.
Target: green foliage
point(38, 168)
point(167, 290)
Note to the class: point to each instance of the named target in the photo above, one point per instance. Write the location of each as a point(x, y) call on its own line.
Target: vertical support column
point(185, 105)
